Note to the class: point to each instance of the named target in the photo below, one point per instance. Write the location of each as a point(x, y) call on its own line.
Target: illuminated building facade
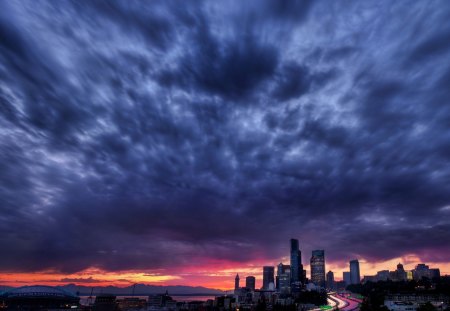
point(318, 268)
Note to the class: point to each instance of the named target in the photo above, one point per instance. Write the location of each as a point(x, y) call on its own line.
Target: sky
point(176, 142)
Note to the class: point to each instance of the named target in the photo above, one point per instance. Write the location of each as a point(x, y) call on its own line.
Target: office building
point(400, 273)
point(159, 300)
point(409, 275)
point(330, 280)
point(268, 276)
point(284, 283)
point(105, 302)
point(250, 283)
point(132, 303)
point(421, 271)
point(346, 278)
point(296, 262)
point(283, 278)
point(424, 271)
point(383, 275)
point(435, 273)
point(236, 282)
point(281, 270)
point(355, 277)
point(318, 267)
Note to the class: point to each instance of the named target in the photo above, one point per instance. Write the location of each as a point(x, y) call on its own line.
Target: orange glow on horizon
point(370, 268)
point(217, 274)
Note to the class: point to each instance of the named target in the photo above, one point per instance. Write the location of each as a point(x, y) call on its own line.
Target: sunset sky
point(218, 275)
point(182, 142)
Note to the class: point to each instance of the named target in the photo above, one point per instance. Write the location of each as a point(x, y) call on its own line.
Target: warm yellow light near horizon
point(371, 268)
point(207, 276)
point(88, 277)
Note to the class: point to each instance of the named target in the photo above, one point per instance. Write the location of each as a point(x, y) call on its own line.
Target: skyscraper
point(268, 276)
point(250, 282)
point(281, 270)
point(330, 280)
point(236, 282)
point(283, 278)
point(296, 261)
point(346, 278)
point(284, 283)
point(355, 277)
point(318, 267)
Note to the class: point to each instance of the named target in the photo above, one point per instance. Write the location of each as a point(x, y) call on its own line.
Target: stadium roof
point(38, 291)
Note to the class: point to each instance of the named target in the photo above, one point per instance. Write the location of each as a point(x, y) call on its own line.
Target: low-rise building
point(412, 301)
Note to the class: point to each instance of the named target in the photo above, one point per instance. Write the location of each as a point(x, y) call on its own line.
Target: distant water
point(188, 298)
point(85, 300)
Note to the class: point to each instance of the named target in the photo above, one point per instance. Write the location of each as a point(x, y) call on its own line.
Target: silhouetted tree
point(426, 307)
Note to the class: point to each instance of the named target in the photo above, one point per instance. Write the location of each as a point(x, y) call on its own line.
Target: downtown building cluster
point(283, 284)
point(287, 284)
point(400, 274)
point(291, 278)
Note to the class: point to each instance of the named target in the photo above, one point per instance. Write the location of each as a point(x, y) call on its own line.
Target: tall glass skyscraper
point(281, 270)
point(355, 277)
point(318, 267)
point(296, 260)
point(268, 276)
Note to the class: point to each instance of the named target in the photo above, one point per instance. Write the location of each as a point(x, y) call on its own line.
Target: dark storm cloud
point(230, 68)
point(146, 23)
point(295, 80)
point(141, 136)
point(431, 46)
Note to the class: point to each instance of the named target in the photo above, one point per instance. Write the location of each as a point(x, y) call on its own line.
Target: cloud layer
point(143, 136)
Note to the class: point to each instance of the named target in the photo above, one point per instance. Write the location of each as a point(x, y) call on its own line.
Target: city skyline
point(158, 143)
point(226, 280)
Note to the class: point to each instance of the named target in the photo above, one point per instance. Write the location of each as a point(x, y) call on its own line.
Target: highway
point(332, 303)
point(338, 301)
point(345, 304)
